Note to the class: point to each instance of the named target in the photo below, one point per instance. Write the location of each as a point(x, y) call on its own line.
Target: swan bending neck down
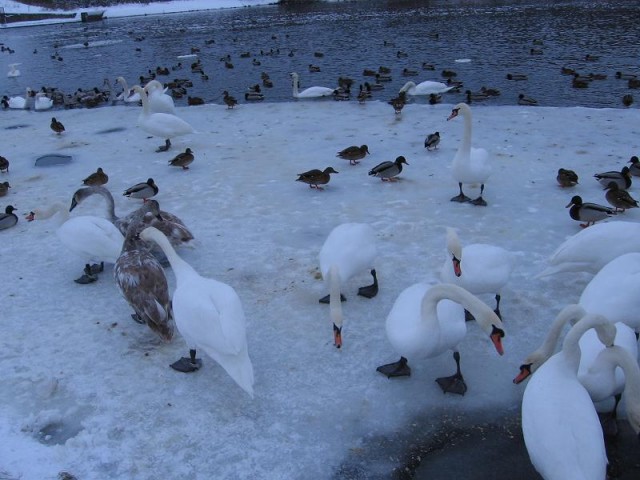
point(209, 316)
point(164, 125)
point(426, 321)
point(159, 101)
point(470, 165)
point(561, 429)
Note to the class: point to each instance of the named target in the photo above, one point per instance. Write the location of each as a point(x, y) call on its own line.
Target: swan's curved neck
point(143, 98)
point(453, 243)
point(294, 81)
point(179, 266)
point(465, 145)
point(570, 346)
point(570, 313)
point(335, 305)
point(485, 317)
point(111, 206)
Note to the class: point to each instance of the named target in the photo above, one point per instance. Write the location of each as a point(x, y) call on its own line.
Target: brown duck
point(316, 177)
point(96, 179)
point(183, 159)
point(353, 153)
point(57, 126)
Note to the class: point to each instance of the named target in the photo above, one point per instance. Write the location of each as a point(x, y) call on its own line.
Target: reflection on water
point(344, 39)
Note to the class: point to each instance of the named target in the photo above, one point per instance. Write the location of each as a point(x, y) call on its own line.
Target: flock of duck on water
point(597, 361)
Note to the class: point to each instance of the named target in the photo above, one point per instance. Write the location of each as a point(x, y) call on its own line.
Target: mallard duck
point(432, 141)
point(398, 104)
point(516, 76)
point(209, 316)
point(183, 159)
point(567, 178)
point(580, 82)
point(435, 98)
point(523, 100)
point(633, 83)
point(627, 100)
point(622, 178)
point(363, 94)
point(316, 177)
point(587, 212)
point(476, 96)
point(387, 171)
point(97, 178)
point(634, 169)
point(8, 219)
point(4, 188)
point(142, 190)
point(567, 71)
point(619, 198)
point(142, 282)
point(4, 164)
point(253, 96)
point(57, 126)
point(229, 101)
point(353, 153)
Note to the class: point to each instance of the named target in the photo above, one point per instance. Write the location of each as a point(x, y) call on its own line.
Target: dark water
point(496, 35)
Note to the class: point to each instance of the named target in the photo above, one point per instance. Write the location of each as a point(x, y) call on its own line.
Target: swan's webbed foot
point(165, 147)
point(397, 369)
point(370, 291)
point(478, 201)
point(138, 319)
point(87, 277)
point(187, 365)
point(96, 268)
point(453, 384)
point(461, 198)
point(325, 299)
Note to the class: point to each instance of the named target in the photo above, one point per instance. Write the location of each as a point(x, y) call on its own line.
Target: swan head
point(497, 334)
point(459, 108)
point(455, 250)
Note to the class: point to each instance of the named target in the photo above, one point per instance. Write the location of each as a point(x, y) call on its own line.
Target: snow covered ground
point(88, 391)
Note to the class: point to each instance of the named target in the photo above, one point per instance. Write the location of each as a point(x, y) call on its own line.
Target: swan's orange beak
point(456, 267)
point(525, 371)
point(337, 336)
point(496, 338)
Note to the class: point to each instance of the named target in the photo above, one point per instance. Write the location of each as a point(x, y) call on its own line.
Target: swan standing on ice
point(425, 88)
point(478, 267)
point(426, 321)
point(350, 249)
point(311, 92)
point(159, 101)
point(209, 316)
point(561, 429)
point(592, 248)
point(13, 71)
point(470, 165)
point(164, 125)
point(94, 239)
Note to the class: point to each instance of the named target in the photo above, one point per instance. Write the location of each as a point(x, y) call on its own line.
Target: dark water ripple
point(496, 35)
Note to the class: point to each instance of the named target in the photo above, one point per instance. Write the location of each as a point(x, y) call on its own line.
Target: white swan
point(592, 248)
point(426, 321)
point(143, 284)
point(159, 101)
point(209, 316)
point(164, 125)
point(349, 250)
point(42, 102)
point(128, 95)
point(13, 71)
point(601, 383)
point(425, 88)
point(311, 92)
point(561, 429)
point(470, 165)
point(478, 267)
point(94, 239)
point(20, 103)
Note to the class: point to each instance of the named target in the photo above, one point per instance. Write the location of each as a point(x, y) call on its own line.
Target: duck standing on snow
point(142, 190)
point(350, 249)
point(183, 159)
point(634, 169)
point(619, 198)
point(8, 219)
point(56, 126)
point(470, 165)
point(388, 171)
point(432, 141)
point(97, 178)
point(622, 178)
point(588, 212)
point(209, 316)
point(353, 153)
point(4, 165)
point(141, 281)
point(566, 178)
point(4, 188)
point(314, 178)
